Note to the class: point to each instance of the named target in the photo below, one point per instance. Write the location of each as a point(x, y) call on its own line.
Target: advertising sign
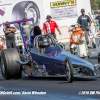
point(17, 10)
point(64, 9)
point(63, 3)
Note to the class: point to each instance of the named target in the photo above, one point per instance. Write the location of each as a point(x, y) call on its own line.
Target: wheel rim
point(68, 73)
point(3, 67)
point(31, 13)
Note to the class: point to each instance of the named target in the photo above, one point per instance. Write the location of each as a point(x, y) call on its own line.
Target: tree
point(95, 4)
point(98, 3)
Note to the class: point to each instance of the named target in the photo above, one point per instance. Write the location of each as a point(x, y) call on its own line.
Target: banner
point(64, 9)
point(12, 10)
point(63, 3)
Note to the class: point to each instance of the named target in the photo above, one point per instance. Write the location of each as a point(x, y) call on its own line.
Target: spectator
point(49, 26)
point(9, 35)
point(83, 21)
point(26, 27)
point(98, 18)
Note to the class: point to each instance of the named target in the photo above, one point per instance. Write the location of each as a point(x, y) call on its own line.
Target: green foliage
point(95, 4)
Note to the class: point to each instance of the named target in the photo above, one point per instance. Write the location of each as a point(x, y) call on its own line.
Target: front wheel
point(69, 70)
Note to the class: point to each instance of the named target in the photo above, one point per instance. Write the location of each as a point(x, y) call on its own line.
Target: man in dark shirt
point(83, 21)
point(26, 27)
point(9, 34)
point(98, 18)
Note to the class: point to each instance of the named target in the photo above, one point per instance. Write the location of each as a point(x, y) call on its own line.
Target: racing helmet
point(44, 42)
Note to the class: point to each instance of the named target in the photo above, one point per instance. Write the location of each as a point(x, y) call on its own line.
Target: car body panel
point(54, 58)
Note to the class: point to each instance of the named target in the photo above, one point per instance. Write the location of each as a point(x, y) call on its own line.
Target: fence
point(64, 33)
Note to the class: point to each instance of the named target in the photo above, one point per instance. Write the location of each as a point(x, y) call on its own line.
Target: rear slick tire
point(10, 68)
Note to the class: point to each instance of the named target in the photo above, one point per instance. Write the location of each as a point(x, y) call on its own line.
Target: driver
point(44, 42)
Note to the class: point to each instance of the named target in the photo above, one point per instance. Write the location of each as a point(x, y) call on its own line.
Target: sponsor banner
point(64, 12)
point(63, 3)
point(12, 10)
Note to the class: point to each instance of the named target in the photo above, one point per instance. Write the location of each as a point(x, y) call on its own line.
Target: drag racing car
point(42, 58)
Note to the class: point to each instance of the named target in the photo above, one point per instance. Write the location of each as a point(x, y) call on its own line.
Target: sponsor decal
point(63, 3)
point(36, 70)
point(26, 9)
point(2, 14)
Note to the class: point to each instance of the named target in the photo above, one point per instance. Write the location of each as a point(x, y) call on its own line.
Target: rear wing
point(19, 21)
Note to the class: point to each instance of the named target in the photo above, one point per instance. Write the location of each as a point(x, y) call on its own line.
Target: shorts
point(86, 36)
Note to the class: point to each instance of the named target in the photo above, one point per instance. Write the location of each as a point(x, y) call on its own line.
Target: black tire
point(69, 67)
point(93, 45)
point(62, 45)
point(21, 11)
point(75, 54)
point(72, 50)
point(88, 56)
point(99, 58)
point(10, 68)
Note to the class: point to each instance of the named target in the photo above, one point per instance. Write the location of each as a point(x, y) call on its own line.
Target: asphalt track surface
point(56, 88)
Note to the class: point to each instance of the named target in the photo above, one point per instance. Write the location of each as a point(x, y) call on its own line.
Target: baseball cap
point(48, 16)
point(82, 10)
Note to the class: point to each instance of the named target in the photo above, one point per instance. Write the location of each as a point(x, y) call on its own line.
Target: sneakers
point(89, 46)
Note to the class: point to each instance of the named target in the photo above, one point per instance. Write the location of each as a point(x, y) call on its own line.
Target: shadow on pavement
point(57, 79)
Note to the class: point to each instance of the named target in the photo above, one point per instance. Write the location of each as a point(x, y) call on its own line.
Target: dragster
point(42, 60)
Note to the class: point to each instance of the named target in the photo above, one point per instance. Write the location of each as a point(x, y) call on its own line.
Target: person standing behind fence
point(83, 21)
point(9, 35)
point(98, 18)
point(49, 26)
point(26, 27)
